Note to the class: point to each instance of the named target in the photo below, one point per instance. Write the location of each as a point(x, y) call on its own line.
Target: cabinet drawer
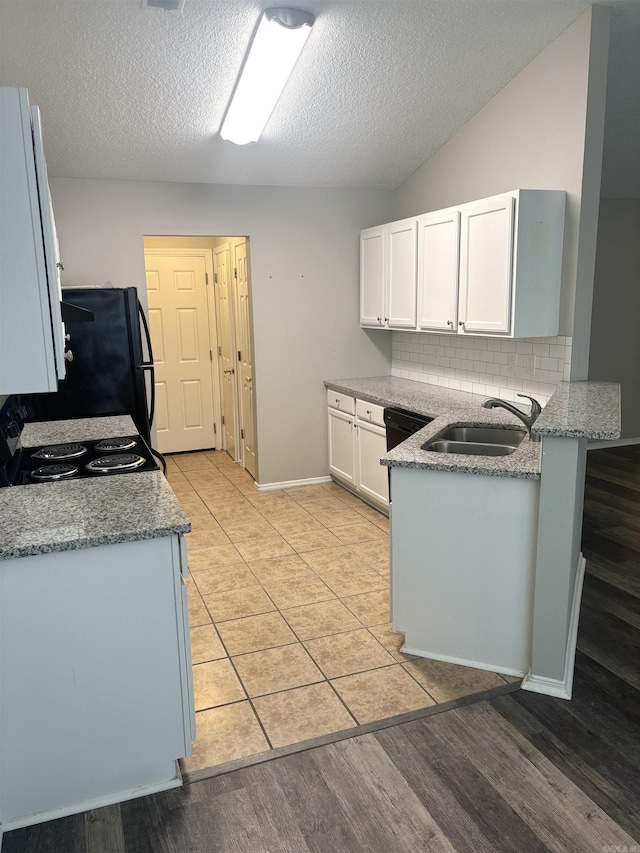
point(341, 401)
point(370, 412)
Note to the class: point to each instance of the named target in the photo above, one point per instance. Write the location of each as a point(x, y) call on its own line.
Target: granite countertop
point(78, 429)
point(577, 410)
point(72, 514)
point(66, 516)
point(582, 410)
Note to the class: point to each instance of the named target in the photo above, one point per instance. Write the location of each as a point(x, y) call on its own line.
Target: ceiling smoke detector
point(167, 5)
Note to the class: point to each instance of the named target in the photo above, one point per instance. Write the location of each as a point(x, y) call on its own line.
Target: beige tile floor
point(289, 615)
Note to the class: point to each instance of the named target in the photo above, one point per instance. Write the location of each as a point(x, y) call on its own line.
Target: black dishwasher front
point(400, 424)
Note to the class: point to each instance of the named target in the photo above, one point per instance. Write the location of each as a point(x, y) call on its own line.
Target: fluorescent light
point(278, 41)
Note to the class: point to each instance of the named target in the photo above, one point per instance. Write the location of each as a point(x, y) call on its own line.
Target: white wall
point(532, 135)
point(304, 263)
point(615, 342)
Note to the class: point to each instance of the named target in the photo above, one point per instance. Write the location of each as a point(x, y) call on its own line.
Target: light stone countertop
point(450, 408)
point(64, 516)
point(582, 410)
point(78, 429)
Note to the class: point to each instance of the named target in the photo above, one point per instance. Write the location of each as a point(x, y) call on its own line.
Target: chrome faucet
point(527, 420)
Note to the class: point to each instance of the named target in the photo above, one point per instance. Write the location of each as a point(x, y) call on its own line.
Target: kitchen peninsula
point(486, 567)
point(96, 696)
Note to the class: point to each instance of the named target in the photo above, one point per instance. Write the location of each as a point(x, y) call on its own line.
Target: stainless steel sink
point(484, 435)
point(476, 441)
point(469, 448)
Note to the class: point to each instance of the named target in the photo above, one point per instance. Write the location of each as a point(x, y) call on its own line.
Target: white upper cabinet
point(388, 260)
point(372, 277)
point(486, 242)
point(491, 267)
point(31, 330)
point(438, 267)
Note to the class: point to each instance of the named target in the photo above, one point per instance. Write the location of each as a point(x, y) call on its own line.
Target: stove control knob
point(68, 355)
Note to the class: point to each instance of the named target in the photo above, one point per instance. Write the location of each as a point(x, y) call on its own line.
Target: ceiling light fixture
point(276, 46)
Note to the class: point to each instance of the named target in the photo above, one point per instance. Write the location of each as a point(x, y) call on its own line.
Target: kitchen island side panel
point(463, 552)
point(92, 686)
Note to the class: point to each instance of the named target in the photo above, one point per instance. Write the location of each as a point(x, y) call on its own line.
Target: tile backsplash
point(495, 367)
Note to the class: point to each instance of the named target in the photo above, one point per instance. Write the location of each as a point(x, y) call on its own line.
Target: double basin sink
point(476, 441)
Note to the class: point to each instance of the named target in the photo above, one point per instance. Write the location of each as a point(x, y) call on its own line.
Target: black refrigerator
point(111, 358)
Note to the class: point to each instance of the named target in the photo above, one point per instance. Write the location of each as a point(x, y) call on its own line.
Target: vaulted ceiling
point(131, 92)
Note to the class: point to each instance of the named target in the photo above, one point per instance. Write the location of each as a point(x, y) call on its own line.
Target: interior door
point(244, 346)
point(179, 325)
point(226, 343)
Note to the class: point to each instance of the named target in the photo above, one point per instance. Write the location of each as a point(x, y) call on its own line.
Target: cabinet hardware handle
point(379, 319)
point(461, 323)
point(368, 411)
point(337, 402)
point(248, 379)
point(449, 322)
point(60, 265)
point(386, 319)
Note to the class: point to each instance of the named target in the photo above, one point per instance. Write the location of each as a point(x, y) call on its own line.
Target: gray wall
point(304, 263)
point(615, 338)
point(531, 135)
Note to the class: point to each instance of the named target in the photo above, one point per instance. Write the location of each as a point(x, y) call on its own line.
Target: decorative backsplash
point(497, 368)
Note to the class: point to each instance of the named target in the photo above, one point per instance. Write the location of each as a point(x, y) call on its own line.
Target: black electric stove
point(73, 460)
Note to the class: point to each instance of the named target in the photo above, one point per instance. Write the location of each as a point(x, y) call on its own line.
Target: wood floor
point(519, 772)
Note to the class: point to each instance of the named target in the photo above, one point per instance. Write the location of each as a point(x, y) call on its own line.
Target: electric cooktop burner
point(118, 462)
point(54, 472)
point(60, 451)
point(108, 445)
point(73, 460)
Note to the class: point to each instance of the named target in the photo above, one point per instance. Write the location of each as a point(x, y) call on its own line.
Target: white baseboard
point(407, 650)
point(603, 445)
point(562, 688)
point(289, 484)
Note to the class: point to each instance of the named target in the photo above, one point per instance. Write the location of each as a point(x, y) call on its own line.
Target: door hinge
point(215, 278)
point(239, 356)
point(219, 350)
point(235, 272)
point(223, 420)
point(210, 356)
point(241, 433)
point(206, 278)
point(215, 429)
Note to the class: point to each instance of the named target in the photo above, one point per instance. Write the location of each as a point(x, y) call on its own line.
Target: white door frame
point(207, 255)
point(232, 331)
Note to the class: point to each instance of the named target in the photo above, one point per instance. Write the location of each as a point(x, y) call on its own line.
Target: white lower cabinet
point(96, 696)
point(357, 442)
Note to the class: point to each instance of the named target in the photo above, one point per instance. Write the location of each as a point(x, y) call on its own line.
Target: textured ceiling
point(136, 93)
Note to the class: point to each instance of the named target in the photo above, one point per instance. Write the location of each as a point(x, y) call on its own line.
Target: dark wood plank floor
point(519, 772)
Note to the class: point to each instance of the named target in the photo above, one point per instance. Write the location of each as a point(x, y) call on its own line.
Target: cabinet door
point(401, 258)
point(373, 478)
point(50, 241)
point(486, 260)
point(438, 270)
point(372, 277)
point(342, 455)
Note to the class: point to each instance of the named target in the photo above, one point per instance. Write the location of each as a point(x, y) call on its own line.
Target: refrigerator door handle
point(148, 365)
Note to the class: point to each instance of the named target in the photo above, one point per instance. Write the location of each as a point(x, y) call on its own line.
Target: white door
point(372, 277)
point(401, 274)
point(438, 268)
point(226, 344)
point(486, 256)
point(244, 347)
point(179, 325)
